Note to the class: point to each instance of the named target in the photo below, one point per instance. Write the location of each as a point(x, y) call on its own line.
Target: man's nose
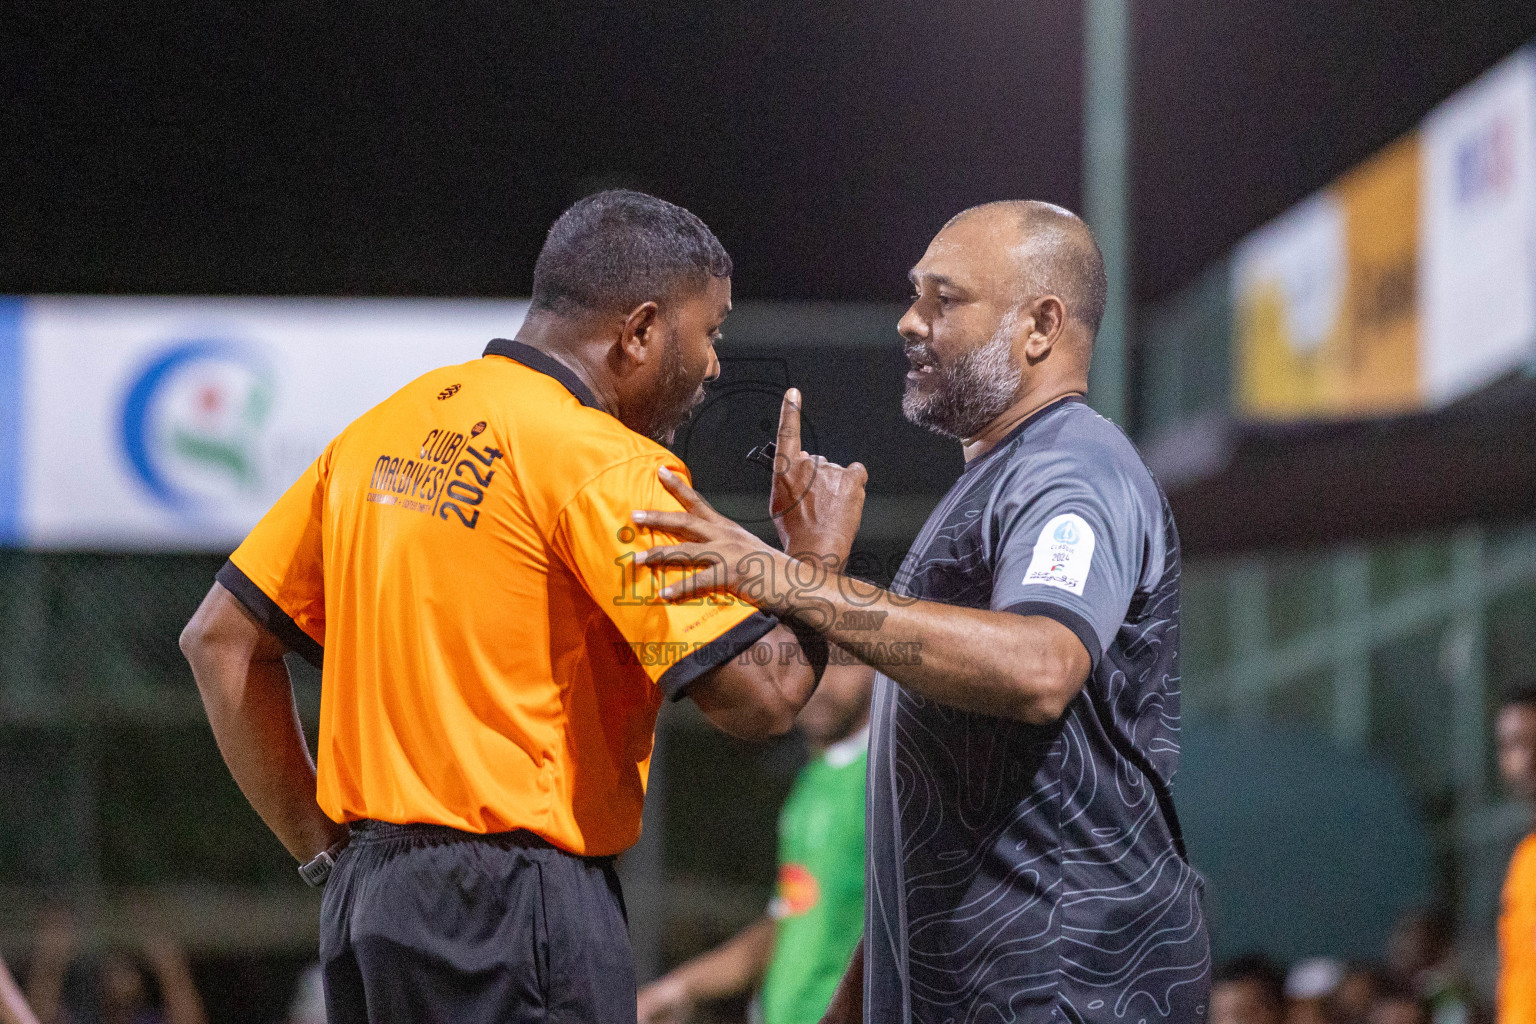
point(911, 325)
point(713, 373)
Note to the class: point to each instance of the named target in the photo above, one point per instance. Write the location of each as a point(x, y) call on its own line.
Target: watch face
point(318, 870)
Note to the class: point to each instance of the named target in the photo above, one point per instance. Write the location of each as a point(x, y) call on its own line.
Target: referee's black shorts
point(426, 923)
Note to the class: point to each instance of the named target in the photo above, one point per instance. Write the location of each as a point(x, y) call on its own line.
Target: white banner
point(1477, 272)
point(167, 423)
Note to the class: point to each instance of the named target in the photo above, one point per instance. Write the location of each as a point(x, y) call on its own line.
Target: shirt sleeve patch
point(1062, 554)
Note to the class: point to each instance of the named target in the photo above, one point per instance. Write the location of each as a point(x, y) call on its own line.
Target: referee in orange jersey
point(1516, 735)
point(462, 560)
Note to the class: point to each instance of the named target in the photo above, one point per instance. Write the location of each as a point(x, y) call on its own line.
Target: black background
point(395, 148)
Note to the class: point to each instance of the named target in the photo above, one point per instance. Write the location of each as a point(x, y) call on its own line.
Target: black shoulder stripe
point(269, 614)
point(675, 681)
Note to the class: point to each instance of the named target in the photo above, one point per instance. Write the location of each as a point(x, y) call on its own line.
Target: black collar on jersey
point(1022, 426)
point(545, 364)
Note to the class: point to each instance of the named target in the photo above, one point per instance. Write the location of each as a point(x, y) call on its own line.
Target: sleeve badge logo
point(1062, 554)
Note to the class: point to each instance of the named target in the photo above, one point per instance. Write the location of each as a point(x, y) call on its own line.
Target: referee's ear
point(639, 337)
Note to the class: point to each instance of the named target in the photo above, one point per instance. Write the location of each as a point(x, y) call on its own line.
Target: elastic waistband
point(367, 831)
point(370, 831)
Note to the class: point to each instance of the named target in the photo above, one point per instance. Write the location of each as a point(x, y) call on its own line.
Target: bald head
point(1054, 252)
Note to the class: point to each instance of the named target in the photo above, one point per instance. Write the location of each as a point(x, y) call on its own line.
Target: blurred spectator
point(1516, 735)
point(1357, 992)
point(1309, 987)
point(308, 1006)
point(50, 964)
point(1248, 990)
point(801, 948)
point(122, 988)
point(1421, 959)
point(1398, 1005)
point(13, 1008)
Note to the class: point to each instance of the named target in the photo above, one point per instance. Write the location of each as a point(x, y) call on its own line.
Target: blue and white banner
point(174, 423)
point(1477, 219)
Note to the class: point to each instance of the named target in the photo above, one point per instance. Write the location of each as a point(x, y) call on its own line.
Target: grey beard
point(964, 397)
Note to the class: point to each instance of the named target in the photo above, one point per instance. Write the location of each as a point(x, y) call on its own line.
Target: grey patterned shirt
point(1030, 873)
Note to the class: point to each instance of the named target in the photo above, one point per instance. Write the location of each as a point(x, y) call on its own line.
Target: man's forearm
point(256, 723)
point(13, 1008)
point(238, 665)
point(733, 967)
point(994, 663)
point(178, 992)
point(1027, 668)
point(757, 694)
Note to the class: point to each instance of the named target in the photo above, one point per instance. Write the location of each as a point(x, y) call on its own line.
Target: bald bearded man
point(1024, 856)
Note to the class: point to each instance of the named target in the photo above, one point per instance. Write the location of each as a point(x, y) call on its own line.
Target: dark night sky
point(424, 148)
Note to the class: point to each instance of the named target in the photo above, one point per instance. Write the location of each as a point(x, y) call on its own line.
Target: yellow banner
point(1325, 320)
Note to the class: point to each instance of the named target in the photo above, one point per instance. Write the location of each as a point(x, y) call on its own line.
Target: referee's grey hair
point(616, 249)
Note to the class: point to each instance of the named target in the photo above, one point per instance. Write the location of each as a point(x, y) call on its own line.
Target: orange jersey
point(492, 659)
point(1517, 938)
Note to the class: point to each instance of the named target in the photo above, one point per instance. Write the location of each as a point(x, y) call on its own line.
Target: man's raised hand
point(816, 504)
point(816, 507)
point(720, 550)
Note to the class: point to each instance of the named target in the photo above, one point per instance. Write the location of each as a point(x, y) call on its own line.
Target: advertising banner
point(1407, 283)
point(1324, 310)
point(1478, 271)
point(171, 423)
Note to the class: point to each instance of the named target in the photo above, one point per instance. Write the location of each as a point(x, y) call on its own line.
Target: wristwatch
point(318, 868)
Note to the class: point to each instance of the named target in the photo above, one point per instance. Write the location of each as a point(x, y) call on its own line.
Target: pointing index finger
point(789, 424)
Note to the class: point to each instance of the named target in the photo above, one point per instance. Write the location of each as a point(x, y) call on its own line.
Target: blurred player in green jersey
point(800, 948)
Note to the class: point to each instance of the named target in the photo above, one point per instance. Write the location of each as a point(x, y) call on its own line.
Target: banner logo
point(192, 421)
